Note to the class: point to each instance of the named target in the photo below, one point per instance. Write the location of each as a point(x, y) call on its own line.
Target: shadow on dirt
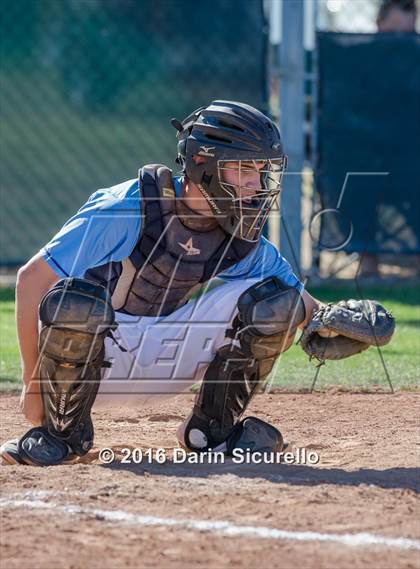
point(391, 478)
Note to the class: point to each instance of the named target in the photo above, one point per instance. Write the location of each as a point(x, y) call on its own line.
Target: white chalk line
point(216, 527)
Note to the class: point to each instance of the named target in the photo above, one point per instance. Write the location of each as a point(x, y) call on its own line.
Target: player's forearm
point(29, 292)
point(28, 297)
point(311, 304)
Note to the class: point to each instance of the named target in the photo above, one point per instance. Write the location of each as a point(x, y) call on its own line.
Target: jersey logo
point(168, 193)
point(189, 247)
point(205, 150)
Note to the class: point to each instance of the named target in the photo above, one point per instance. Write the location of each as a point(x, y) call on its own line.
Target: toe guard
point(254, 435)
point(39, 448)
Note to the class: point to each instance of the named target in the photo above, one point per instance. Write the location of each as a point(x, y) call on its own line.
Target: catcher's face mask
point(252, 188)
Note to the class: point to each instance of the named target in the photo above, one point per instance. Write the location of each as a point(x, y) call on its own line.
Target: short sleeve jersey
point(106, 228)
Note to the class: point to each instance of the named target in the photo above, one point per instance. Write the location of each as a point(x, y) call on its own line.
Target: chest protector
point(169, 259)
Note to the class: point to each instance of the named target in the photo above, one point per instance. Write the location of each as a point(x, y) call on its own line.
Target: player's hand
point(31, 404)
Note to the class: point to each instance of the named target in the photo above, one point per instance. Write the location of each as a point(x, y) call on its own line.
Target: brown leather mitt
point(338, 331)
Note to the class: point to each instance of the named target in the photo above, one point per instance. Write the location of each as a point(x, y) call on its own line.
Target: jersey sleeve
point(105, 228)
point(264, 261)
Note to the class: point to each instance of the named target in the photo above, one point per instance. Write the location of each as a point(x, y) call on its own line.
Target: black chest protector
point(169, 259)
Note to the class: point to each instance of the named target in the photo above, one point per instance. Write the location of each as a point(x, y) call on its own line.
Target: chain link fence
point(88, 88)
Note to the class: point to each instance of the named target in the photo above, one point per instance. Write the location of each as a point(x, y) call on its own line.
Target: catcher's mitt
point(338, 331)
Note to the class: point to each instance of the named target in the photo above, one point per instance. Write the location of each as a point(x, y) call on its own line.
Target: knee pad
point(268, 315)
point(76, 316)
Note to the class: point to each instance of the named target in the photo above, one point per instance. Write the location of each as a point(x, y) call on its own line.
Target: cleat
point(9, 452)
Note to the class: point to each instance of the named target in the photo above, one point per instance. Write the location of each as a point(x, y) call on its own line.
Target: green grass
point(294, 371)
point(9, 353)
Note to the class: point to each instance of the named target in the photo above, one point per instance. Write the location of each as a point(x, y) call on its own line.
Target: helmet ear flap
point(182, 152)
point(182, 147)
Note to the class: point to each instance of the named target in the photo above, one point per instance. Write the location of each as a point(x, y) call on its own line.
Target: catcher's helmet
point(229, 132)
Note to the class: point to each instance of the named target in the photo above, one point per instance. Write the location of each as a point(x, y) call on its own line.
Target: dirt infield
point(277, 515)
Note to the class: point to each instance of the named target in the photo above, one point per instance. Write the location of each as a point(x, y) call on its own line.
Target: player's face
point(252, 188)
point(244, 177)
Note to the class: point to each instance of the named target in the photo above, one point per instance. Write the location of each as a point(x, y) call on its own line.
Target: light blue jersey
point(107, 227)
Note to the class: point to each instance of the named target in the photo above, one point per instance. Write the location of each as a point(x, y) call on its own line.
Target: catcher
point(106, 309)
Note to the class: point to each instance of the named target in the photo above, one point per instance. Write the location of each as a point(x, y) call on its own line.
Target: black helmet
point(229, 132)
